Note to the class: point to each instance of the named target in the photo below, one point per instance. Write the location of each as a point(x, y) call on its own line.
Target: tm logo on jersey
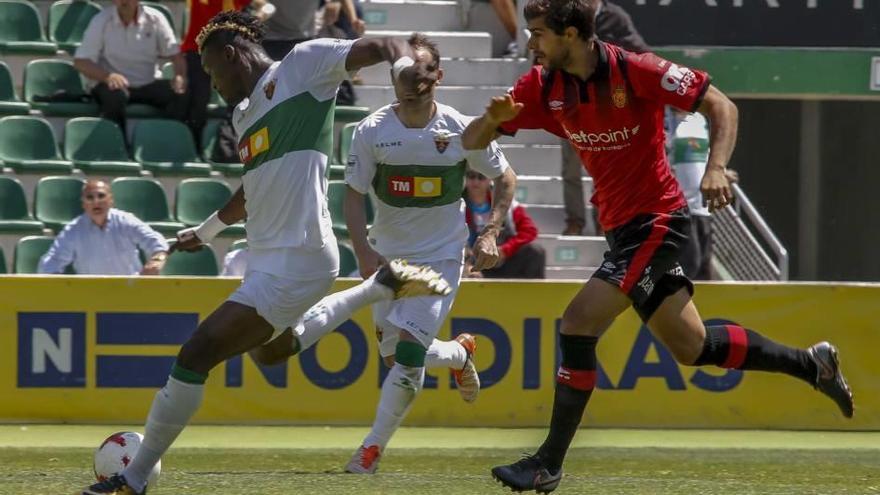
point(415, 187)
point(253, 145)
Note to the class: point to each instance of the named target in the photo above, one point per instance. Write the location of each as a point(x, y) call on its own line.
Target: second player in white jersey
point(409, 159)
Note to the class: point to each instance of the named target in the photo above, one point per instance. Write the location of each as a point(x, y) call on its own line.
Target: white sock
point(445, 354)
point(172, 409)
point(333, 310)
point(399, 390)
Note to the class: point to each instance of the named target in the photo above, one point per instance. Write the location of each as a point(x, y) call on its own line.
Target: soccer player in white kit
point(408, 157)
point(284, 118)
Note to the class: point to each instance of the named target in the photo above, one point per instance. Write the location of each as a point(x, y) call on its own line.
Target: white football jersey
point(415, 178)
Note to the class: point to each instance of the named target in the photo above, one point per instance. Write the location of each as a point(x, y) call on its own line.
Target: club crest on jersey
point(415, 187)
point(441, 140)
point(269, 89)
point(253, 145)
point(618, 97)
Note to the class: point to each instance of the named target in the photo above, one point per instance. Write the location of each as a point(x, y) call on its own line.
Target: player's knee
point(389, 361)
point(201, 352)
point(685, 352)
point(577, 321)
point(268, 355)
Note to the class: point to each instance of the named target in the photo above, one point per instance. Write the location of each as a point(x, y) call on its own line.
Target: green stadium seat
point(68, 20)
point(346, 136)
point(47, 77)
point(14, 216)
point(236, 245)
point(198, 198)
point(346, 114)
point(336, 202)
point(145, 199)
point(58, 200)
point(28, 145)
point(166, 148)
point(347, 260)
point(336, 171)
point(97, 146)
point(199, 263)
point(2, 262)
point(209, 141)
point(28, 252)
point(164, 10)
point(21, 31)
point(9, 102)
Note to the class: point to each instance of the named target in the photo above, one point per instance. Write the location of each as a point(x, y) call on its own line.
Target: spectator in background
point(199, 84)
point(120, 54)
point(520, 257)
point(296, 21)
point(498, 17)
point(614, 26)
point(335, 23)
point(104, 240)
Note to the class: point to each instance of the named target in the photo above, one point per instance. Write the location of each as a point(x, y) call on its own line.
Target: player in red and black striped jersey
point(608, 103)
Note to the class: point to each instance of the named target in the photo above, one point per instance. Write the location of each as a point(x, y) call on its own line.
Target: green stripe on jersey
point(419, 186)
point(299, 123)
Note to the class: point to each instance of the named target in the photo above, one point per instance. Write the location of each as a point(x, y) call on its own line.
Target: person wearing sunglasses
point(104, 240)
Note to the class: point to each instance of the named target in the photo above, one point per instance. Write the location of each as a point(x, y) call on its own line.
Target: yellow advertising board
point(79, 349)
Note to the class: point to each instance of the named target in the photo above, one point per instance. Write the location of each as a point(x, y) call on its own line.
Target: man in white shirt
point(120, 54)
point(104, 240)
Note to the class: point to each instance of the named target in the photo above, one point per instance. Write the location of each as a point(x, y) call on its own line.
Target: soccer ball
point(116, 452)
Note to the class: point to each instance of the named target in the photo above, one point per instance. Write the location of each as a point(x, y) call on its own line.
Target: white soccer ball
point(116, 453)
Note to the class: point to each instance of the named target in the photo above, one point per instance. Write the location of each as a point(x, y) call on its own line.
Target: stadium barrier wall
point(79, 349)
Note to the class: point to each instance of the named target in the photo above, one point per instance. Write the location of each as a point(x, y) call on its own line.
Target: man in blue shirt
point(104, 240)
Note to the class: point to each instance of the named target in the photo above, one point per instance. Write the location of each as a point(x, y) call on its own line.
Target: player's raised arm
point(723, 117)
point(483, 130)
point(370, 51)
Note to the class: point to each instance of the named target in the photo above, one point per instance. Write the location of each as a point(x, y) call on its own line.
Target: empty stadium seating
point(199, 263)
point(21, 30)
point(145, 198)
point(28, 144)
point(166, 147)
point(28, 252)
point(10, 104)
point(58, 200)
point(97, 146)
point(196, 199)
point(68, 20)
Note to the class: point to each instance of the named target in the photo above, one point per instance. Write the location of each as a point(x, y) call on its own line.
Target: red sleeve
point(526, 232)
point(660, 80)
point(240, 4)
point(534, 115)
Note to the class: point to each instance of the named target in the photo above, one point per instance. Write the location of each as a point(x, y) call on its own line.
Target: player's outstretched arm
point(486, 246)
point(193, 238)
point(370, 51)
point(723, 119)
point(484, 129)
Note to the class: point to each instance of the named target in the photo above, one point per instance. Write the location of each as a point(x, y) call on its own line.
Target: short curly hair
point(231, 26)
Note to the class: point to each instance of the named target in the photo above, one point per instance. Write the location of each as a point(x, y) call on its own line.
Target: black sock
point(574, 384)
point(732, 346)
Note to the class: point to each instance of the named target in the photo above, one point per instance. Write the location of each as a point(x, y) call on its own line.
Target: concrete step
point(430, 15)
point(547, 190)
point(452, 44)
point(579, 251)
point(569, 272)
point(534, 159)
point(461, 72)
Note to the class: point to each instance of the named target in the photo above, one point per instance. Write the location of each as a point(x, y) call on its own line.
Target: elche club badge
point(618, 97)
point(269, 89)
point(441, 140)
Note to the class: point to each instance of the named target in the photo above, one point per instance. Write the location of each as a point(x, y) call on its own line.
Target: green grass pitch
point(451, 461)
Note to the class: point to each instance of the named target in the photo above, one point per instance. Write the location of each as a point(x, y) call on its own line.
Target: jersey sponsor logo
point(612, 139)
point(556, 105)
point(269, 88)
point(415, 187)
point(618, 97)
point(678, 79)
point(253, 145)
point(392, 144)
